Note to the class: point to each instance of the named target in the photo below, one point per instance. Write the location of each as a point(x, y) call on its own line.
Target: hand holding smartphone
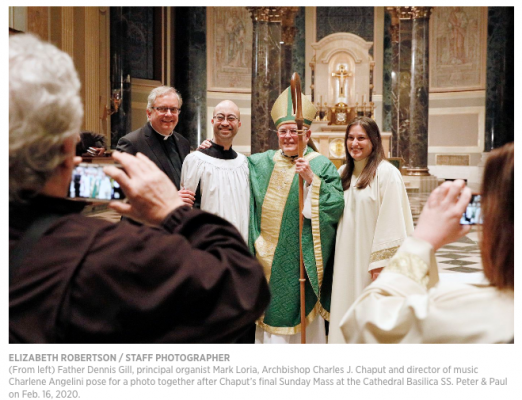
point(89, 182)
point(472, 215)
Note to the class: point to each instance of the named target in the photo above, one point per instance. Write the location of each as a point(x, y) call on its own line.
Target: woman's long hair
point(497, 247)
point(374, 159)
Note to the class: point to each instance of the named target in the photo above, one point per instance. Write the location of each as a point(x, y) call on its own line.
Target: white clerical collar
point(165, 137)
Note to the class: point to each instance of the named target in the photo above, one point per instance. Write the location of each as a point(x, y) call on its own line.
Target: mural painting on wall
point(458, 41)
point(229, 44)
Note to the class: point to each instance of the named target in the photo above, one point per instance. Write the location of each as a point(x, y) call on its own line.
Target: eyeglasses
point(229, 118)
point(163, 110)
point(288, 132)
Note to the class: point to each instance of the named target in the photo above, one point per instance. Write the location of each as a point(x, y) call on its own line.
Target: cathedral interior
point(437, 80)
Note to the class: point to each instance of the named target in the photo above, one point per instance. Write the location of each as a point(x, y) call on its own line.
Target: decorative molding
point(480, 113)
point(452, 159)
point(325, 58)
point(476, 94)
point(344, 42)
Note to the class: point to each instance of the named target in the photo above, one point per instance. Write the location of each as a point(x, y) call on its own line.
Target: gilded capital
point(266, 14)
point(421, 12)
point(404, 12)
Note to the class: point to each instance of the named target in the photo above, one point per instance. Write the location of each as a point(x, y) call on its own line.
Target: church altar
point(342, 88)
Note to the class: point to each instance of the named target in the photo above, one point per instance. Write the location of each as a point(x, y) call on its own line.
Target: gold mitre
point(282, 110)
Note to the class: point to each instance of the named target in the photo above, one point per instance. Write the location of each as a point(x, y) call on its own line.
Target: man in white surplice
point(218, 174)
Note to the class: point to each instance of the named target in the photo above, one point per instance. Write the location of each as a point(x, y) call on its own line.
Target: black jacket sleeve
point(125, 145)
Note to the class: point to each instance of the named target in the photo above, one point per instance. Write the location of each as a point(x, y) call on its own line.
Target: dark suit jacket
point(144, 140)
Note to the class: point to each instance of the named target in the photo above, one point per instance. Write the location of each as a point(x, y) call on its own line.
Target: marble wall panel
point(298, 53)
point(140, 41)
point(356, 20)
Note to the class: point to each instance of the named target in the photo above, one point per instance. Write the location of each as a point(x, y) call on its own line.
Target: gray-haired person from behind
point(84, 280)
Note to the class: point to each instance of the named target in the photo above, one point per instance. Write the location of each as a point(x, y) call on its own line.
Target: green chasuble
point(274, 236)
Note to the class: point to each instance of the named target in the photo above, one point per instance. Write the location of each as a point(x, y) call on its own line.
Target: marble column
point(410, 93)
point(417, 161)
point(120, 77)
point(394, 36)
point(401, 81)
point(191, 23)
point(500, 118)
point(266, 75)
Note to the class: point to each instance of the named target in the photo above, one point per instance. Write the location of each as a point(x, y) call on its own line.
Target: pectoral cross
point(341, 74)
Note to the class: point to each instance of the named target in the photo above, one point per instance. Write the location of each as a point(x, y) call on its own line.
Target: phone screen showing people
point(89, 182)
point(472, 215)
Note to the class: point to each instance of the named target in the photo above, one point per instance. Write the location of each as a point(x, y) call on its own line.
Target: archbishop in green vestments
point(274, 227)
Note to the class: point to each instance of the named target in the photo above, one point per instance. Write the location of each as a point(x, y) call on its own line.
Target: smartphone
point(89, 182)
point(473, 214)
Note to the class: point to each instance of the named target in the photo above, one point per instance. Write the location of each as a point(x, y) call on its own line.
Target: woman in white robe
point(376, 220)
point(407, 304)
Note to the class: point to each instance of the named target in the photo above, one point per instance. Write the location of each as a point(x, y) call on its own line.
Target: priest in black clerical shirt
point(157, 138)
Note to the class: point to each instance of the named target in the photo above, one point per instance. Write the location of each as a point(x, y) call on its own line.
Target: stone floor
point(458, 261)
